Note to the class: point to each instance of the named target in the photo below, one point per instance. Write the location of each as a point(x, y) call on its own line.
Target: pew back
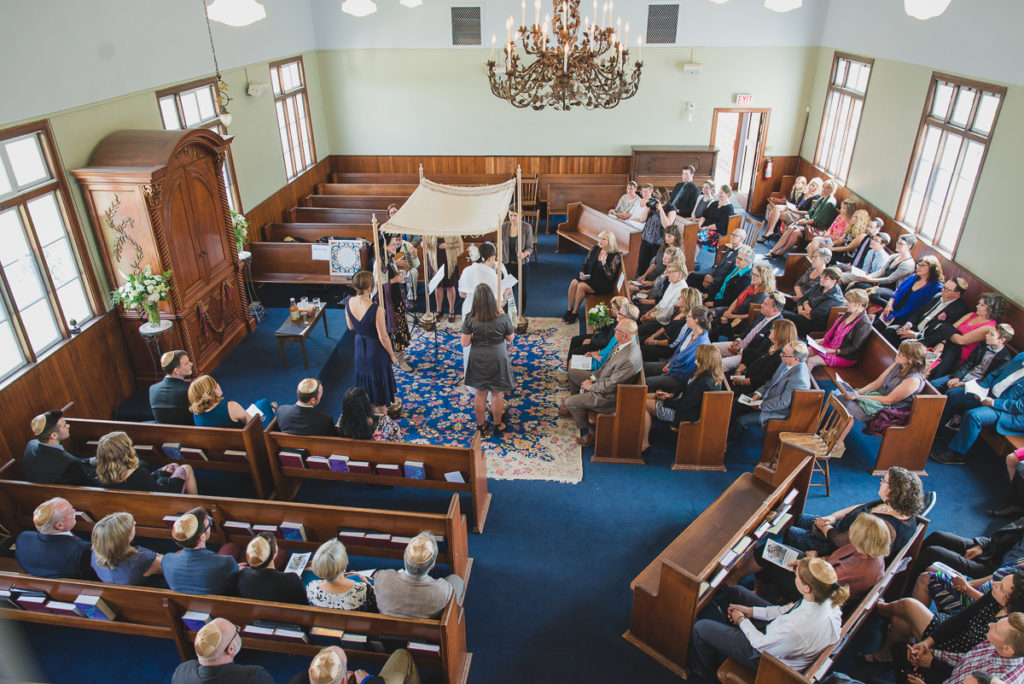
point(377, 202)
point(362, 217)
point(371, 188)
point(548, 180)
point(311, 232)
point(618, 436)
point(700, 445)
point(584, 224)
point(600, 196)
point(293, 262)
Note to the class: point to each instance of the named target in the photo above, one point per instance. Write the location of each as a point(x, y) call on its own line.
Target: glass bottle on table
point(293, 311)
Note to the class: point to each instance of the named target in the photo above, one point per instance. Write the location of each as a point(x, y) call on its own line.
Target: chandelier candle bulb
point(523, 22)
point(595, 15)
point(536, 12)
point(625, 37)
point(565, 62)
point(639, 49)
point(604, 15)
point(494, 42)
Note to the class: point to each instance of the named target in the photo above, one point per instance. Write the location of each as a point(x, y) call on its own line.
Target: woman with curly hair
point(899, 499)
point(358, 420)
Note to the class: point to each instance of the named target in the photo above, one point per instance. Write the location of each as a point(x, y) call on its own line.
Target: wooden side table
point(298, 332)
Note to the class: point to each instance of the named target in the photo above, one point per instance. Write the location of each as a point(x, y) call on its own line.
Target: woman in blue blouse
point(913, 292)
point(207, 404)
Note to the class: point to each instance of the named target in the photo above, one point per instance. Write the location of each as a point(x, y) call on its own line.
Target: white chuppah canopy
point(439, 210)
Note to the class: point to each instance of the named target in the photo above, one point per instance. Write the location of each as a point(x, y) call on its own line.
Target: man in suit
point(813, 308)
point(1003, 407)
point(776, 395)
point(598, 392)
point(169, 398)
point(755, 335)
point(46, 461)
point(53, 550)
point(975, 557)
point(412, 592)
point(216, 646)
point(196, 569)
point(946, 307)
point(985, 359)
point(685, 193)
point(303, 417)
point(711, 281)
point(330, 666)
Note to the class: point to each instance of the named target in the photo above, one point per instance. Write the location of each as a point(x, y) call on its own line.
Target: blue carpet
point(549, 595)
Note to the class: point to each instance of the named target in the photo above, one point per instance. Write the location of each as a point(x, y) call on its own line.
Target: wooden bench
point(549, 180)
point(372, 189)
point(377, 202)
point(670, 592)
point(700, 445)
point(584, 224)
point(618, 436)
point(689, 229)
point(18, 499)
point(363, 217)
point(770, 670)
point(414, 178)
point(803, 414)
point(735, 222)
point(437, 460)
point(157, 613)
point(600, 196)
point(796, 265)
point(213, 441)
point(311, 232)
point(1002, 444)
point(293, 262)
point(902, 445)
point(781, 195)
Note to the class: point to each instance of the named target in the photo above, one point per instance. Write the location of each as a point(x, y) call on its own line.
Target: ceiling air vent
point(662, 21)
point(465, 26)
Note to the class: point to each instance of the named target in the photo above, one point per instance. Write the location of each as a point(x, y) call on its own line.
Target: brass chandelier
point(574, 63)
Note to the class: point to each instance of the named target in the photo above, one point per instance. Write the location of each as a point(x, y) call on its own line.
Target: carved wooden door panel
point(209, 229)
point(181, 243)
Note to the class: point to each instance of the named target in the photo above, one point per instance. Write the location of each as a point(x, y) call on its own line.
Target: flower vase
point(153, 314)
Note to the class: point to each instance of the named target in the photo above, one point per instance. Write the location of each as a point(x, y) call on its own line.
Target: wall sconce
point(690, 108)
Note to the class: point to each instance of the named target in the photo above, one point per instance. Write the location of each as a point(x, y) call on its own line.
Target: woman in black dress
point(394, 301)
point(685, 406)
point(487, 331)
point(117, 467)
point(600, 270)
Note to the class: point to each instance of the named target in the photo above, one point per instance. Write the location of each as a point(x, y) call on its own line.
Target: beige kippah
point(258, 551)
point(167, 358)
point(309, 385)
point(208, 639)
point(38, 423)
point(43, 514)
point(419, 550)
point(326, 667)
point(185, 527)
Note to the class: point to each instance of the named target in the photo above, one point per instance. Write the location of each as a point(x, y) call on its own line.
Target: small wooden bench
point(362, 217)
point(293, 262)
point(618, 436)
point(671, 590)
point(247, 440)
point(770, 670)
point(311, 232)
point(907, 445)
point(592, 195)
point(584, 224)
point(157, 613)
point(19, 499)
point(414, 178)
point(548, 180)
point(700, 445)
point(372, 189)
point(436, 460)
point(378, 202)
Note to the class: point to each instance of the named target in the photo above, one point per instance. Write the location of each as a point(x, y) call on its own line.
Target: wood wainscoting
point(91, 369)
point(479, 164)
point(763, 188)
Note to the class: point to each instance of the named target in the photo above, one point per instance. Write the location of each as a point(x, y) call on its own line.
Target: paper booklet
point(297, 562)
point(859, 272)
point(581, 362)
point(253, 410)
point(972, 387)
point(780, 554)
point(843, 385)
point(436, 280)
point(816, 346)
point(749, 401)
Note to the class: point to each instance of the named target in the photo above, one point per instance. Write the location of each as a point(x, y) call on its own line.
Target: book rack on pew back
point(235, 450)
point(362, 217)
point(158, 613)
point(153, 511)
point(671, 591)
point(311, 232)
point(906, 445)
point(437, 462)
point(347, 177)
point(618, 436)
point(771, 670)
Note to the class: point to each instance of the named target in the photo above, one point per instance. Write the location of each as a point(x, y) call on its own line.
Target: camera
point(653, 203)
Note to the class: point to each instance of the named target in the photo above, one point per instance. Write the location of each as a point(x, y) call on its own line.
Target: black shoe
point(1007, 512)
point(948, 457)
point(565, 316)
point(573, 317)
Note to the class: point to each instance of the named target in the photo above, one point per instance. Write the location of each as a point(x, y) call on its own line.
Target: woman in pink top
point(970, 330)
point(838, 227)
point(845, 340)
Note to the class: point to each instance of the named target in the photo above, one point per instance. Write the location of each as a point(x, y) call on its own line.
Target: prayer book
point(779, 523)
point(238, 527)
point(195, 620)
point(399, 542)
point(62, 608)
point(790, 496)
point(780, 554)
point(353, 640)
point(859, 272)
point(420, 648)
point(728, 559)
point(377, 539)
point(717, 579)
point(390, 469)
point(704, 588)
point(351, 535)
point(293, 530)
point(193, 454)
point(326, 636)
point(144, 450)
point(7, 600)
point(360, 467)
point(169, 520)
point(581, 362)
point(34, 601)
point(83, 517)
point(259, 632)
point(172, 450)
point(742, 544)
point(237, 455)
point(415, 470)
point(292, 458)
point(318, 463)
point(286, 634)
point(454, 476)
point(297, 562)
point(267, 528)
point(338, 463)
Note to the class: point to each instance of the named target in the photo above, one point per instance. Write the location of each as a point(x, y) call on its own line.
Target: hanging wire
point(222, 88)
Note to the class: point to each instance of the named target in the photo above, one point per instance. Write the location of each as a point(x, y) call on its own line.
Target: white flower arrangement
point(144, 290)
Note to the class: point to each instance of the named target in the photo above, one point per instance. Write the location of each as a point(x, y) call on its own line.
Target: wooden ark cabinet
point(661, 165)
point(158, 199)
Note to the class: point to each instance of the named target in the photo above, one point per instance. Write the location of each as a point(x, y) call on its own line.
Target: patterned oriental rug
point(438, 408)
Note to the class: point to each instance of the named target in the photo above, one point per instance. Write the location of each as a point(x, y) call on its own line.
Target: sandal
point(451, 318)
point(484, 429)
point(499, 428)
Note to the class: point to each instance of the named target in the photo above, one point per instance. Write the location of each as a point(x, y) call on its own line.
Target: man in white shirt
point(661, 314)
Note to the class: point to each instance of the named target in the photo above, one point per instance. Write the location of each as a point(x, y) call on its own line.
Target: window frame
point(841, 175)
point(213, 124)
point(289, 95)
point(58, 186)
point(944, 127)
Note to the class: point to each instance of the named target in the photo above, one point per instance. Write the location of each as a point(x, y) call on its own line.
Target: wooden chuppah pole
point(376, 261)
point(523, 323)
point(501, 300)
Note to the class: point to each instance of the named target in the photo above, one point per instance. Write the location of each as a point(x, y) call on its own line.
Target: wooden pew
point(548, 180)
point(437, 460)
point(18, 499)
point(414, 179)
point(796, 265)
point(292, 262)
point(362, 217)
point(213, 441)
point(902, 445)
point(618, 436)
point(735, 221)
point(689, 229)
point(803, 414)
point(377, 202)
point(583, 225)
point(311, 232)
point(701, 444)
point(667, 595)
point(780, 196)
point(771, 670)
point(599, 196)
point(372, 189)
point(158, 612)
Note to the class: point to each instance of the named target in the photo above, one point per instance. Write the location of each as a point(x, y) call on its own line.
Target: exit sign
point(744, 99)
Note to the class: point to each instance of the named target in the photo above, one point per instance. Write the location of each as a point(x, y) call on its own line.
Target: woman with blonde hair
point(598, 275)
point(118, 467)
point(793, 208)
point(444, 252)
point(732, 318)
point(335, 589)
point(856, 233)
point(819, 216)
point(757, 365)
point(114, 559)
point(656, 346)
point(844, 341)
point(795, 633)
point(685, 406)
point(207, 404)
point(263, 579)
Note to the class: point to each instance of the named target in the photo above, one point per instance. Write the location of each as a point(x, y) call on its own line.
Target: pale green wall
point(439, 102)
point(885, 142)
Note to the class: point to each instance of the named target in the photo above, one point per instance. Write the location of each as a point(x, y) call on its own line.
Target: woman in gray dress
point(486, 331)
point(894, 388)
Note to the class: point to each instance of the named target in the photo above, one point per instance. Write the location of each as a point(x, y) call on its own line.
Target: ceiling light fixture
point(719, 2)
point(358, 8)
point(783, 5)
point(236, 12)
point(410, 3)
point(925, 9)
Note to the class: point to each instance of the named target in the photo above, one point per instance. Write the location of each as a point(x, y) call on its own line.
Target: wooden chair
point(753, 228)
point(530, 192)
point(735, 221)
point(833, 422)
